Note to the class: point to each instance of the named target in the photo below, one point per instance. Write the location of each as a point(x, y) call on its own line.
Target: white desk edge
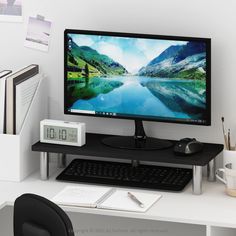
point(212, 208)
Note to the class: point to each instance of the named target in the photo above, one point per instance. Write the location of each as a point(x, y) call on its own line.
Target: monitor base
point(130, 142)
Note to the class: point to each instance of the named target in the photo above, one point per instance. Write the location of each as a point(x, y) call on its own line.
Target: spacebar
point(99, 176)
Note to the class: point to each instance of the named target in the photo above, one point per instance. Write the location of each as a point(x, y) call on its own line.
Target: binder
point(17, 161)
point(11, 83)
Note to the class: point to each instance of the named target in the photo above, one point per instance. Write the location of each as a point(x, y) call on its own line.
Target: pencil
point(224, 134)
point(229, 145)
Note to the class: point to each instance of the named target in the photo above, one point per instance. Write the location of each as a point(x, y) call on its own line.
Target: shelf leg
point(197, 180)
point(211, 169)
point(44, 165)
point(61, 160)
point(135, 163)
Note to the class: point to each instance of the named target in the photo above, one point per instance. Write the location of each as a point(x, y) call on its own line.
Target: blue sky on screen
point(132, 53)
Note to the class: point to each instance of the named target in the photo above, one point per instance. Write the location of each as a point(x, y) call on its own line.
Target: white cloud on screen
point(110, 50)
point(131, 61)
point(153, 48)
point(152, 52)
point(83, 40)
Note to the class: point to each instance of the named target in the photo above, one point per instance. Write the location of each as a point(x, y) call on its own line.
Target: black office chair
point(37, 216)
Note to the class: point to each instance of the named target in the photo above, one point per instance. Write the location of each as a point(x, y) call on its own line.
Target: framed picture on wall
point(11, 10)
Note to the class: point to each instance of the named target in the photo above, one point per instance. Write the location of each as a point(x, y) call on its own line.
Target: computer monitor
point(138, 77)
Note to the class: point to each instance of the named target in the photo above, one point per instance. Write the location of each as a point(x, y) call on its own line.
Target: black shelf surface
point(94, 147)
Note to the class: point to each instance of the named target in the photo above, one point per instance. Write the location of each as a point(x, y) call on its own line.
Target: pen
point(135, 199)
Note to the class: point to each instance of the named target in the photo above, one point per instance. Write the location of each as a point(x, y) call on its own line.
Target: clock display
point(58, 133)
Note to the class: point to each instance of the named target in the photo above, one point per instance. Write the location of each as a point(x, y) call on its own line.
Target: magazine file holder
point(17, 159)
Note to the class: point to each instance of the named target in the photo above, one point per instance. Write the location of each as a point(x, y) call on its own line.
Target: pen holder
point(229, 156)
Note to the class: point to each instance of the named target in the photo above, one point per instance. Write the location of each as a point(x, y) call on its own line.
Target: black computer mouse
point(188, 146)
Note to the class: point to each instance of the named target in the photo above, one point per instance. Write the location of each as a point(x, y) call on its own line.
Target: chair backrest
point(37, 216)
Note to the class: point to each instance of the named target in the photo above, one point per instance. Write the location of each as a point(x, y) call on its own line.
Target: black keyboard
point(124, 174)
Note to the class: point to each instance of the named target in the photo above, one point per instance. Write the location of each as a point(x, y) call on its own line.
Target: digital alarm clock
point(62, 132)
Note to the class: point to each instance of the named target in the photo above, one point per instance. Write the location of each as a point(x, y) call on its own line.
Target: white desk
point(213, 211)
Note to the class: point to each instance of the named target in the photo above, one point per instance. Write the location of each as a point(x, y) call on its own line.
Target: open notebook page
point(84, 196)
point(120, 200)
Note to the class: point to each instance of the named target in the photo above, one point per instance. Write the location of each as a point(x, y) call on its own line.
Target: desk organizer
point(17, 159)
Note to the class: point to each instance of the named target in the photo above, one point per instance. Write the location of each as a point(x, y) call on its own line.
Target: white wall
point(203, 18)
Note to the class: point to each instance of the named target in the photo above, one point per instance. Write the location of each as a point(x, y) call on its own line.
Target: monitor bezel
point(147, 36)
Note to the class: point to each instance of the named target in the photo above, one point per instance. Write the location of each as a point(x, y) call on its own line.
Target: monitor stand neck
point(139, 130)
point(139, 141)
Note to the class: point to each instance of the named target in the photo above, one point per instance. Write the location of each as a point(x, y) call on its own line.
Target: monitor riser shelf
point(94, 147)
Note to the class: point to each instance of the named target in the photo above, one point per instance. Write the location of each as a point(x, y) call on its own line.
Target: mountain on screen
point(98, 64)
point(180, 61)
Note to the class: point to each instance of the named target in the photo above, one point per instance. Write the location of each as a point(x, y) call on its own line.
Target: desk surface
point(213, 207)
point(94, 147)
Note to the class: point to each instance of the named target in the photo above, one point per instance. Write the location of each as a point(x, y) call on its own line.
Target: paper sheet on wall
point(38, 33)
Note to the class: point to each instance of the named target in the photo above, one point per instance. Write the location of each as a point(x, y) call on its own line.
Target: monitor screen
point(137, 76)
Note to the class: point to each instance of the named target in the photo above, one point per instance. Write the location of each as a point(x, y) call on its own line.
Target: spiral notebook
point(104, 198)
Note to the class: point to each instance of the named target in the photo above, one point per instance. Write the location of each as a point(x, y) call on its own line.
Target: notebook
point(105, 198)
